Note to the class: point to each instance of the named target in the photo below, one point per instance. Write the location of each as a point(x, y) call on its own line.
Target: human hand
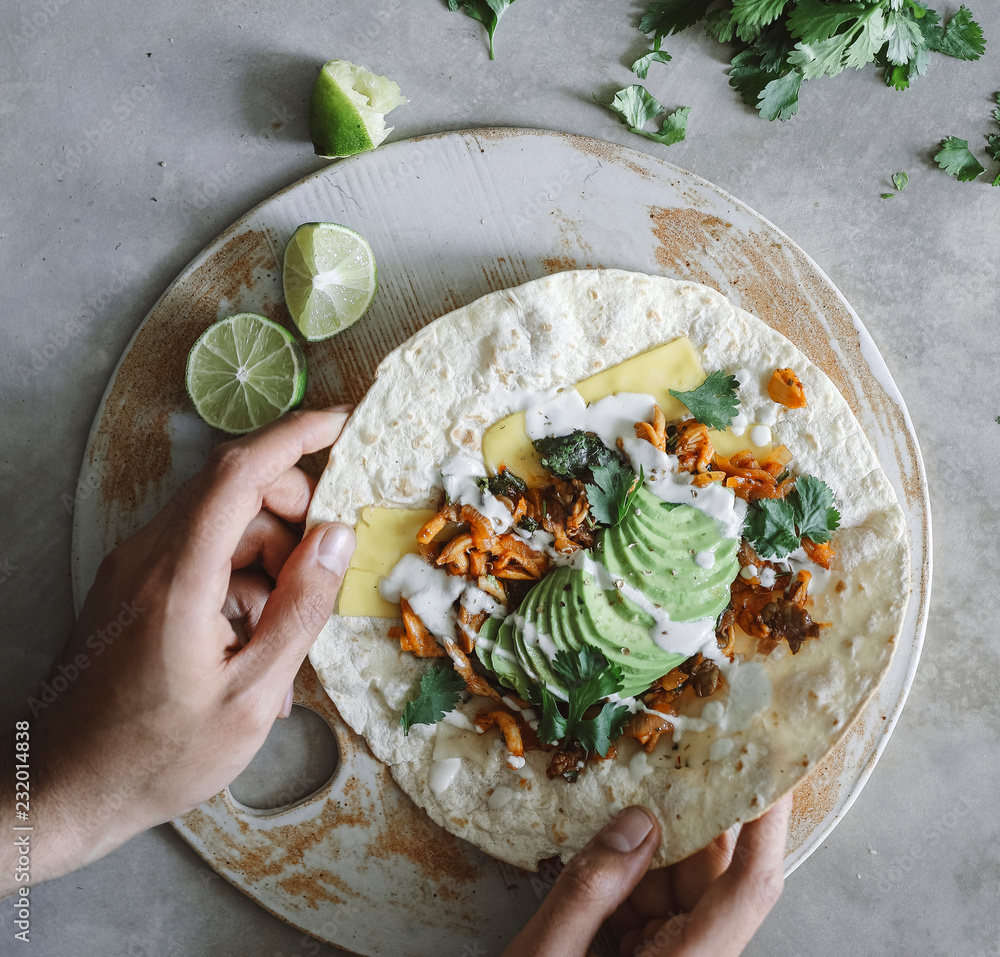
point(708, 905)
point(163, 705)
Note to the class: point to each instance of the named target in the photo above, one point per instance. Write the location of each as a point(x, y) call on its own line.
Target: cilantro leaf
point(641, 66)
point(487, 12)
point(440, 690)
point(770, 527)
point(748, 76)
point(962, 37)
point(955, 158)
point(814, 20)
point(888, 195)
point(613, 492)
point(779, 100)
point(636, 106)
point(753, 14)
point(597, 733)
point(714, 402)
point(588, 678)
point(775, 526)
point(672, 16)
point(815, 516)
point(823, 58)
point(900, 180)
point(903, 37)
point(993, 145)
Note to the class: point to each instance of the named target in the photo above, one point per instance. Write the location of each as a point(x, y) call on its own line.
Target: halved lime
point(244, 371)
point(329, 277)
point(348, 107)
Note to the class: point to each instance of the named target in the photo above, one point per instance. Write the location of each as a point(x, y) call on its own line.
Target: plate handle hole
point(298, 757)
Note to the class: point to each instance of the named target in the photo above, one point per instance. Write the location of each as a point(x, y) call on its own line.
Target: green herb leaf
point(665, 17)
point(815, 515)
point(963, 37)
point(779, 100)
point(753, 14)
point(888, 195)
point(487, 12)
point(641, 66)
point(775, 527)
point(588, 678)
point(900, 180)
point(770, 527)
point(440, 691)
point(636, 106)
point(505, 482)
point(714, 402)
point(955, 158)
point(613, 492)
point(597, 734)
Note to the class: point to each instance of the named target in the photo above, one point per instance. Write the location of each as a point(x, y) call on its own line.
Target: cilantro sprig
point(782, 43)
point(613, 492)
point(440, 691)
point(635, 107)
point(588, 677)
point(956, 159)
point(775, 527)
point(714, 402)
point(487, 12)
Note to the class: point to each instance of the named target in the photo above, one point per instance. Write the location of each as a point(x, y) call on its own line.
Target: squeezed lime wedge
point(330, 278)
point(244, 371)
point(348, 107)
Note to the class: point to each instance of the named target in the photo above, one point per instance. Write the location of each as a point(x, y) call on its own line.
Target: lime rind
point(329, 277)
point(245, 371)
point(348, 107)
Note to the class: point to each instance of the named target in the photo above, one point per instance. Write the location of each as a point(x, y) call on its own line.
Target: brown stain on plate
point(133, 437)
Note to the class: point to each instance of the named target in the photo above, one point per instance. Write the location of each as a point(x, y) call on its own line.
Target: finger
point(230, 490)
point(592, 885)
point(735, 905)
point(679, 887)
point(266, 538)
point(300, 604)
point(245, 600)
point(288, 497)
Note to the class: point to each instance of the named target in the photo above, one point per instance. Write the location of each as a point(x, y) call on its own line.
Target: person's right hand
point(708, 905)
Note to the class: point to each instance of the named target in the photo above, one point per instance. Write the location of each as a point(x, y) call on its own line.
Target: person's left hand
point(159, 705)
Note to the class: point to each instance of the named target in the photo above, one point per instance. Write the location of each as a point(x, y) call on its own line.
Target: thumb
point(301, 602)
point(590, 888)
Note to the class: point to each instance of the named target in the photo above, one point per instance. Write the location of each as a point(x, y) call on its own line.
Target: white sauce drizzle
point(760, 435)
point(501, 796)
point(705, 559)
point(740, 422)
point(459, 476)
point(768, 576)
point(443, 773)
point(430, 592)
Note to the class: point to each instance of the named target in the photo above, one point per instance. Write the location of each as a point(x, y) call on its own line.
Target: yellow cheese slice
point(386, 534)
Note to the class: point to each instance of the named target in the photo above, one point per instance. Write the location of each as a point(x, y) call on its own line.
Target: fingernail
point(335, 548)
point(286, 708)
point(627, 831)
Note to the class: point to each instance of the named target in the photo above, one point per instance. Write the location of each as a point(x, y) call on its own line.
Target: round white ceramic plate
point(450, 218)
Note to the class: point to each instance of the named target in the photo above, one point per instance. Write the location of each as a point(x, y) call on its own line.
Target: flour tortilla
point(436, 394)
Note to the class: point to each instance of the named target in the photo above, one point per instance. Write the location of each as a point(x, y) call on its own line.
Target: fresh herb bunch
point(776, 526)
point(781, 43)
point(589, 678)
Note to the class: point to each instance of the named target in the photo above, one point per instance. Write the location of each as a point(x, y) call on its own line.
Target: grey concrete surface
point(132, 133)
